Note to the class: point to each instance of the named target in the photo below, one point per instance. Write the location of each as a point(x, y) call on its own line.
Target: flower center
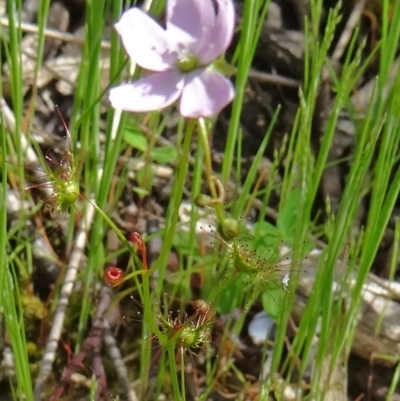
point(187, 62)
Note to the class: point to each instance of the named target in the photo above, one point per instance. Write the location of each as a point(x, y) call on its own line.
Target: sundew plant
point(229, 192)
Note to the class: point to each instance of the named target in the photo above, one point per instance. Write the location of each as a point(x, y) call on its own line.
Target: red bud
point(113, 276)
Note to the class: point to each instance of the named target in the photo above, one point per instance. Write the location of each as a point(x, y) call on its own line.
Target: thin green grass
point(253, 17)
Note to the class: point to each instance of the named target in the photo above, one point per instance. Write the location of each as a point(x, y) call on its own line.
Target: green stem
point(112, 225)
point(149, 315)
point(181, 350)
point(174, 373)
point(148, 311)
point(146, 287)
point(203, 135)
point(177, 191)
point(150, 327)
point(147, 304)
point(170, 225)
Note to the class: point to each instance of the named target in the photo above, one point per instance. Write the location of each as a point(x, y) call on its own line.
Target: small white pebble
point(285, 281)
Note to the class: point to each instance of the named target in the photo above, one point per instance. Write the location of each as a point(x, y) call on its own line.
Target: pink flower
point(196, 34)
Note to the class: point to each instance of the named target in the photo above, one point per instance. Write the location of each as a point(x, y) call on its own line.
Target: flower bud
point(202, 200)
point(190, 336)
point(67, 193)
point(229, 229)
point(113, 276)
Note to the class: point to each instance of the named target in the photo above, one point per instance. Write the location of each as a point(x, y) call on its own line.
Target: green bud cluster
point(64, 185)
point(245, 260)
point(191, 331)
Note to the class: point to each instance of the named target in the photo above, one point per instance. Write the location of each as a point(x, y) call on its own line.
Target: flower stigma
point(187, 62)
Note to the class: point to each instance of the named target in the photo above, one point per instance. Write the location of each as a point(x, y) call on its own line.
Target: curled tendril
point(205, 200)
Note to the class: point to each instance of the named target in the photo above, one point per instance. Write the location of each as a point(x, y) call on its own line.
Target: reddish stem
point(203, 309)
point(64, 124)
point(138, 240)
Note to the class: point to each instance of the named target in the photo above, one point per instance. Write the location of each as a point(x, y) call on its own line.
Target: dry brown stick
point(28, 150)
point(378, 310)
point(53, 33)
point(119, 364)
point(274, 79)
point(348, 30)
point(66, 290)
point(92, 344)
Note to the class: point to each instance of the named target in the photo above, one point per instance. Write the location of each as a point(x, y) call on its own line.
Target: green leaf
point(230, 296)
point(288, 215)
point(164, 154)
point(272, 301)
point(268, 236)
point(141, 191)
point(145, 177)
point(136, 139)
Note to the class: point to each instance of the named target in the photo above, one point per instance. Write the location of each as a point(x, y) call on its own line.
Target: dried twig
point(92, 344)
point(274, 79)
point(28, 150)
point(119, 364)
point(53, 33)
point(348, 31)
point(66, 290)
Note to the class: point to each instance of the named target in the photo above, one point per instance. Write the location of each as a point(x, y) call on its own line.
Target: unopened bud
point(113, 276)
point(229, 229)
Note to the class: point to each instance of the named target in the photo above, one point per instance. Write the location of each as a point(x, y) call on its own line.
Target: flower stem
point(112, 225)
point(182, 352)
point(148, 311)
point(174, 373)
point(177, 191)
point(208, 166)
point(170, 229)
point(147, 304)
point(145, 277)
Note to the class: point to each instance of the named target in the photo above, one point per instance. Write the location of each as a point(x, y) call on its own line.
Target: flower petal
point(145, 41)
point(187, 20)
point(216, 40)
point(205, 94)
point(154, 92)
